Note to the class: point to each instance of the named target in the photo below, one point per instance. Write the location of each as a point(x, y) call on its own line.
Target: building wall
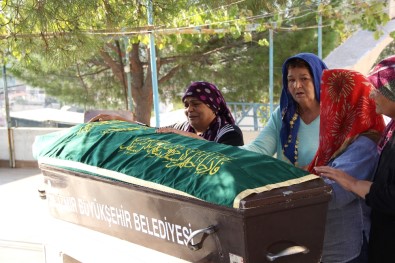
point(22, 140)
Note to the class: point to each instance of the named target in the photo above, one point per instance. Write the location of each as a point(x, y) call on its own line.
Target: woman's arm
point(184, 133)
point(267, 140)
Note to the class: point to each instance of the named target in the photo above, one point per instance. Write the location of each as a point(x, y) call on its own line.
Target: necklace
point(291, 124)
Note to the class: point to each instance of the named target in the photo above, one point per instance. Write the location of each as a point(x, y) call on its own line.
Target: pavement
point(24, 216)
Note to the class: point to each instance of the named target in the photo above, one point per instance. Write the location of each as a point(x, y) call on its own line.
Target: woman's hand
point(107, 117)
point(359, 187)
point(184, 133)
point(342, 178)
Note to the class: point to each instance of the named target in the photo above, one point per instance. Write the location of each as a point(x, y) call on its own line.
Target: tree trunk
point(141, 83)
point(141, 87)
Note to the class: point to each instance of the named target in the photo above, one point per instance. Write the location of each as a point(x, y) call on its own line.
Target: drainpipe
point(319, 32)
point(128, 75)
point(11, 148)
point(153, 64)
point(271, 49)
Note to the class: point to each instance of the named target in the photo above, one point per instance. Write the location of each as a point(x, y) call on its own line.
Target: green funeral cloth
point(216, 173)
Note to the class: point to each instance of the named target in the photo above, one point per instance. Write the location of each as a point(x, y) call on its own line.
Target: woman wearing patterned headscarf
point(349, 131)
point(292, 130)
point(208, 116)
point(379, 194)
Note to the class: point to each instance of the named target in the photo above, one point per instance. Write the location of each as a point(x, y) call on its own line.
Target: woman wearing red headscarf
point(349, 131)
point(379, 194)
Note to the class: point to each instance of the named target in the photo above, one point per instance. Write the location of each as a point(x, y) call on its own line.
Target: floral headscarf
point(290, 119)
point(382, 76)
point(210, 95)
point(347, 111)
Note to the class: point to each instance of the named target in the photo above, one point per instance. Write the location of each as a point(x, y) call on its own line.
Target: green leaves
point(225, 42)
point(348, 16)
point(263, 42)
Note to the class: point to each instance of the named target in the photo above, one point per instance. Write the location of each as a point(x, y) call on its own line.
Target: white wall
point(23, 139)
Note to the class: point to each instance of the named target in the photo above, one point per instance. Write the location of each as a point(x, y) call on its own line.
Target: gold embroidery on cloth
point(177, 155)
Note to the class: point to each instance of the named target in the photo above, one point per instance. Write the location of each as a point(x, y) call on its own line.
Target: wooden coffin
point(184, 198)
point(282, 225)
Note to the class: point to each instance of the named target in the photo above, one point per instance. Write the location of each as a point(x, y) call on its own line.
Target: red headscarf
point(346, 112)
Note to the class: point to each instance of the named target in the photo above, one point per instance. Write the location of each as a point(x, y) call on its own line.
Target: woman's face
point(383, 105)
point(301, 85)
point(198, 113)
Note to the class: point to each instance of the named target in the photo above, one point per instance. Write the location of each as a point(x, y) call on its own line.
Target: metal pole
point(128, 76)
point(8, 121)
point(255, 113)
point(153, 65)
point(271, 47)
point(319, 32)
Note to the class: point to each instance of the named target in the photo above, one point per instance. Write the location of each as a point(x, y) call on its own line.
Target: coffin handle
point(205, 231)
point(287, 252)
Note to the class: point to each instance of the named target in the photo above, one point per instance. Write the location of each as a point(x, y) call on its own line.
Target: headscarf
point(346, 111)
point(290, 119)
point(209, 94)
point(382, 76)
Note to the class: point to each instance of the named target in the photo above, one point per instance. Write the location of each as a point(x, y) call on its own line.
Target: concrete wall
point(23, 138)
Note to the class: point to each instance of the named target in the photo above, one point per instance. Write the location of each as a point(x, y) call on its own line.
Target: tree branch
point(170, 74)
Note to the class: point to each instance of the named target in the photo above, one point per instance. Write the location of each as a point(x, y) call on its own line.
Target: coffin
point(232, 205)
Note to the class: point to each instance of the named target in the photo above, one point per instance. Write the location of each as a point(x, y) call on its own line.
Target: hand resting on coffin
point(207, 116)
point(180, 132)
point(108, 117)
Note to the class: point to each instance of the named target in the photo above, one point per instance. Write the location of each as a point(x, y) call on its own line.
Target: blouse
point(268, 141)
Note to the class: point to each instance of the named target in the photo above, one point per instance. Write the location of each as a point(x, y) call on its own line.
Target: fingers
point(165, 130)
point(323, 170)
point(329, 172)
point(96, 118)
point(101, 117)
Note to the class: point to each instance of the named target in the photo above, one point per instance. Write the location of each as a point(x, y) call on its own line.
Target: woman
point(208, 117)
point(349, 131)
point(293, 128)
point(379, 194)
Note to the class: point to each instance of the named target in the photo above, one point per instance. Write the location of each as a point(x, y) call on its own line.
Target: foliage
point(78, 47)
point(388, 51)
point(241, 68)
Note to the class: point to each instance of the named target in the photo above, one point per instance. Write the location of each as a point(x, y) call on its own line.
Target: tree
point(78, 40)
point(242, 68)
point(77, 47)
